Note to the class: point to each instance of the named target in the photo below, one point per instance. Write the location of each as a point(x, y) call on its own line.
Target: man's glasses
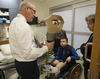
point(33, 10)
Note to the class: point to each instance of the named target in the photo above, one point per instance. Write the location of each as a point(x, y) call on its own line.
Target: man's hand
point(42, 44)
point(49, 45)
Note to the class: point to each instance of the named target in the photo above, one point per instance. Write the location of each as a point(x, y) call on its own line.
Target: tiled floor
point(42, 76)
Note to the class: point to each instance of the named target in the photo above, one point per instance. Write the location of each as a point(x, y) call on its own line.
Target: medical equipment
point(54, 25)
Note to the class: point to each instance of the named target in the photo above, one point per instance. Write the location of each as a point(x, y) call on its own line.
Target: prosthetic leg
point(54, 25)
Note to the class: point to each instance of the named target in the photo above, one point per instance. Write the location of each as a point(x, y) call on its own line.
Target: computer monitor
point(34, 22)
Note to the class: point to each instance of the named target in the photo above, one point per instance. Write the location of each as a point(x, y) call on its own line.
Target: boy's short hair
point(90, 18)
point(64, 38)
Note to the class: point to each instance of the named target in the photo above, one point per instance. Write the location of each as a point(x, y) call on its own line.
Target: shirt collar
point(20, 15)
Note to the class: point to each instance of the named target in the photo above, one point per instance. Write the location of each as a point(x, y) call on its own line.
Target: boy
point(65, 53)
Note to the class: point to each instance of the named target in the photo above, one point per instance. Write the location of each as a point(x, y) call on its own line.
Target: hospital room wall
point(43, 8)
point(51, 3)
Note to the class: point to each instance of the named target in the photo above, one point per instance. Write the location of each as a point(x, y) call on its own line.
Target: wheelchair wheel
point(74, 71)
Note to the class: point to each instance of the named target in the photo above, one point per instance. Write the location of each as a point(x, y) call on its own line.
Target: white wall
point(42, 9)
point(51, 3)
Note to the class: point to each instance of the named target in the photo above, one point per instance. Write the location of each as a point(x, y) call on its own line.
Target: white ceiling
point(35, 0)
point(38, 0)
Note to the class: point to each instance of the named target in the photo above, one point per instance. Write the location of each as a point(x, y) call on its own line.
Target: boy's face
point(63, 42)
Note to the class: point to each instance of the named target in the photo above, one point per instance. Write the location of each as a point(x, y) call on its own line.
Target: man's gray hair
point(24, 4)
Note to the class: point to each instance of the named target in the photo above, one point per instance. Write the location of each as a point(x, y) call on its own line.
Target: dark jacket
point(69, 51)
point(82, 49)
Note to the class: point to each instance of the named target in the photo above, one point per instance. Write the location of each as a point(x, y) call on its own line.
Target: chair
point(70, 71)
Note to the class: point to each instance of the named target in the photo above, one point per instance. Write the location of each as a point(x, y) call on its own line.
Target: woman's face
point(90, 25)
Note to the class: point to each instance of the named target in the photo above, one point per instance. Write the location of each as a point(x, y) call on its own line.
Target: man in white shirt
point(22, 43)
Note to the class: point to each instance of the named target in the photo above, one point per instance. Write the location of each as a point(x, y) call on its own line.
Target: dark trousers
point(27, 70)
point(86, 67)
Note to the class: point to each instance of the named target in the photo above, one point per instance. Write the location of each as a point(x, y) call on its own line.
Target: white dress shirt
point(22, 43)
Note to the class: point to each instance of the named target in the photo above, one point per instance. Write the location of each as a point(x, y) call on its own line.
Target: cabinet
point(9, 3)
point(13, 13)
point(12, 6)
point(4, 4)
point(4, 15)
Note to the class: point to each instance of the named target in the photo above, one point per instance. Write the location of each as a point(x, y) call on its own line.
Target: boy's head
point(63, 41)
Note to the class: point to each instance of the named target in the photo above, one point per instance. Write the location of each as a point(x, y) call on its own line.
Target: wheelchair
point(70, 71)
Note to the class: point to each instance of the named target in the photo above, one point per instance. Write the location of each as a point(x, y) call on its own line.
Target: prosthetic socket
point(54, 25)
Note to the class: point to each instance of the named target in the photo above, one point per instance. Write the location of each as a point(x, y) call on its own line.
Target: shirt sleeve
point(26, 44)
point(56, 56)
point(74, 54)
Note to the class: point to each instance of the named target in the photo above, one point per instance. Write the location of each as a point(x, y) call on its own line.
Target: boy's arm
point(56, 56)
point(74, 54)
